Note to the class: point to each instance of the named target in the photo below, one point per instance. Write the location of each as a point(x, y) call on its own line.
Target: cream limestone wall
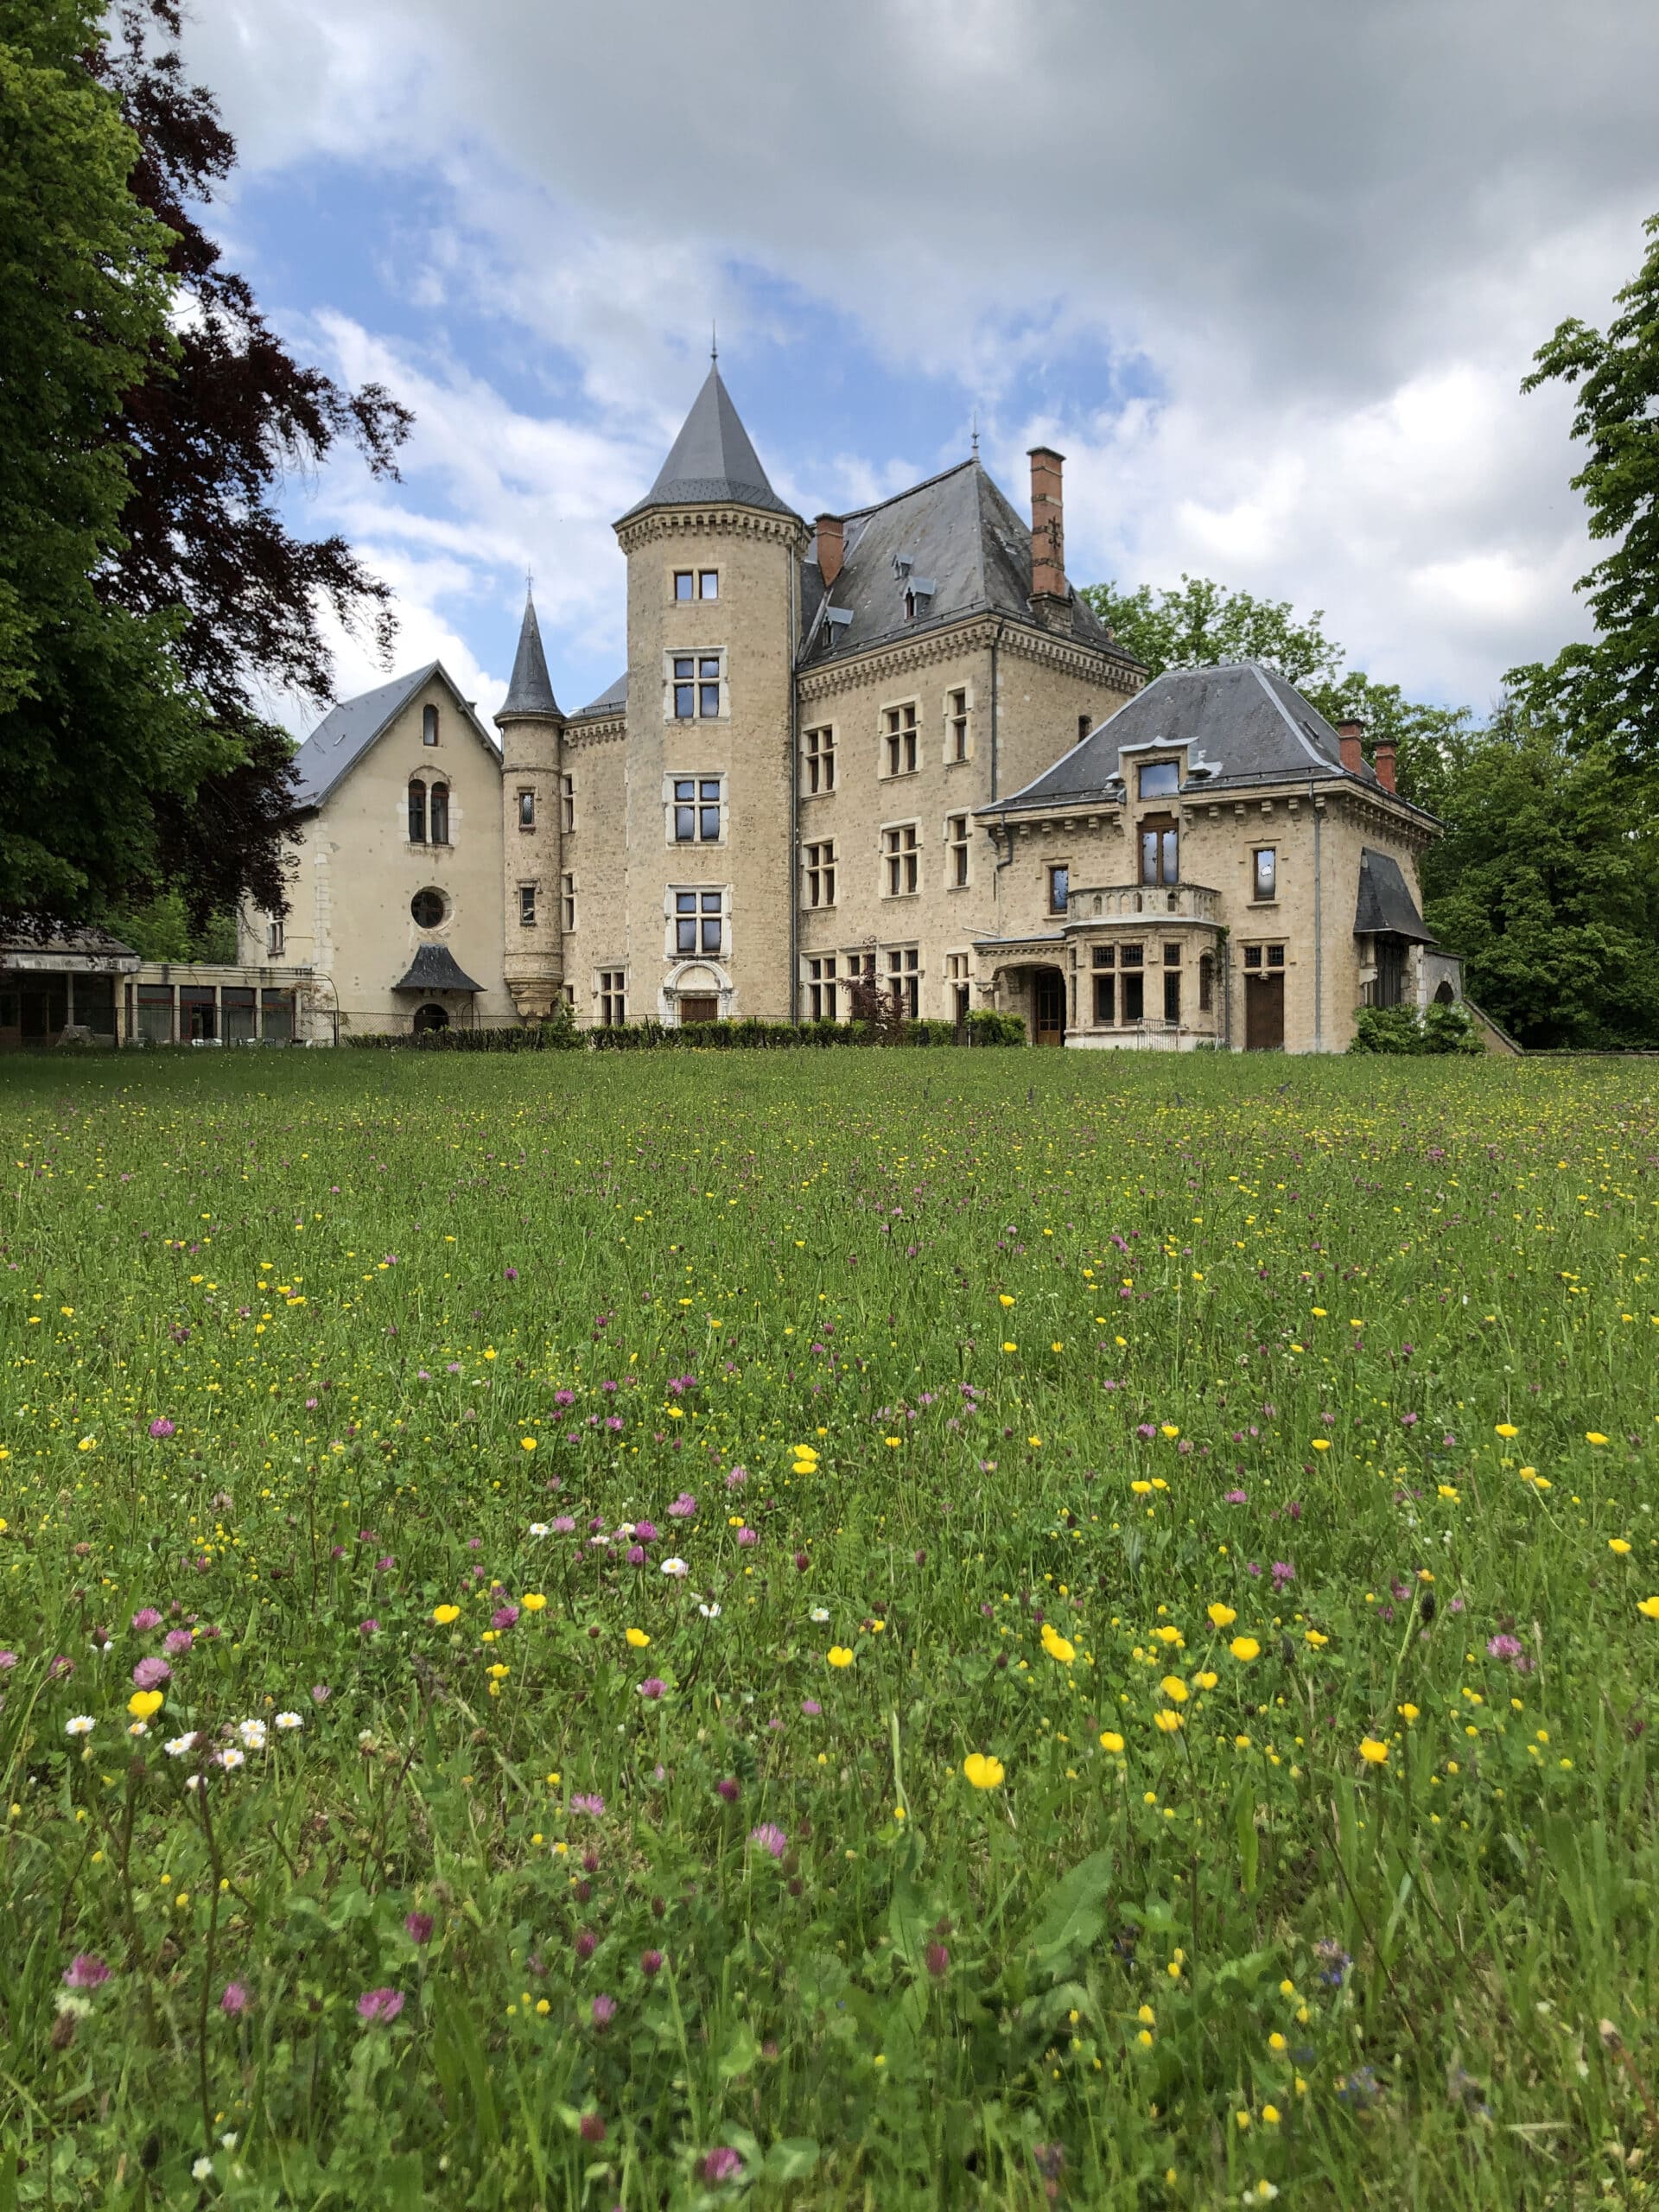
point(532, 860)
point(356, 872)
point(1043, 687)
point(1317, 839)
point(751, 626)
point(596, 858)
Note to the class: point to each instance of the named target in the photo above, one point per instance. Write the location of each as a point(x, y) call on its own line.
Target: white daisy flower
point(202, 2171)
point(193, 1782)
point(677, 1567)
point(82, 1724)
point(252, 1733)
point(138, 1728)
point(538, 1529)
point(176, 1747)
point(287, 1721)
point(820, 1612)
point(231, 1757)
point(710, 1611)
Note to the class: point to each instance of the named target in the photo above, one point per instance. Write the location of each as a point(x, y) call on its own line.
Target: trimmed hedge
point(985, 1027)
point(1403, 1029)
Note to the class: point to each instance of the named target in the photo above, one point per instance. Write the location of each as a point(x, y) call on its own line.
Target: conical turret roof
point(712, 460)
point(531, 689)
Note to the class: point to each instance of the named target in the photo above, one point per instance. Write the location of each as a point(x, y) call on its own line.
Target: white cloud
point(1329, 238)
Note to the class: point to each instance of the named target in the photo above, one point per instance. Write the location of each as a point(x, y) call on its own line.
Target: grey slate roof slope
point(1242, 723)
point(1385, 902)
point(960, 535)
point(434, 969)
point(711, 460)
point(346, 732)
point(529, 688)
point(613, 701)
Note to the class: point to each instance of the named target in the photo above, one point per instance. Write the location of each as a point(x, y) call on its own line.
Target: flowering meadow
point(851, 1631)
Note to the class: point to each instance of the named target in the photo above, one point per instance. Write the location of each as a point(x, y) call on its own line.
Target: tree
point(208, 437)
point(1547, 883)
point(1607, 692)
point(96, 719)
point(1204, 623)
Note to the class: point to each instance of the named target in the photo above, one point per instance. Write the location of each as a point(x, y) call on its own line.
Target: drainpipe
point(996, 639)
point(794, 791)
point(1318, 930)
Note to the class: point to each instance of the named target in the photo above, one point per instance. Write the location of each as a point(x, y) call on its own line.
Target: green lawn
point(1175, 1735)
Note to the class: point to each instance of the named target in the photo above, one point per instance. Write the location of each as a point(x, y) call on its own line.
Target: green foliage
point(1607, 692)
point(280, 1328)
point(1547, 883)
point(1435, 1030)
point(559, 1033)
point(1203, 623)
point(95, 724)
point(160, 929)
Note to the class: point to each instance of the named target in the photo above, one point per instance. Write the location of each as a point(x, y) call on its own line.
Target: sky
point(1269, 273)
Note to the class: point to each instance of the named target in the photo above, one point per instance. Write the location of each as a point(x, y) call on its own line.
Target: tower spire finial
point(975, 434)
point(713, 340)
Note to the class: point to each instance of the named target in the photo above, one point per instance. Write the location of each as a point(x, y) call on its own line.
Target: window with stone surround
point(526, 808)
point(695, 684)
point(817, 761)
point(958, 848)
point(612, 998)
point(820, 872)
point(958, 736)
point(694, 810)
point(901, 860)
point(822, 986)
point(1264, 874)
point(697, 584)
point(568, 901)
point(903, 967)
point(699, 922)
point(527, 905)
point(900, 740)
point(567, 803)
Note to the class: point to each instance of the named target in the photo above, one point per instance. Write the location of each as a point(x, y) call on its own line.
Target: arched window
point(429, 725)
point(1206, 981)
point(440, 805)
point(417, 814)
point(431, 1017)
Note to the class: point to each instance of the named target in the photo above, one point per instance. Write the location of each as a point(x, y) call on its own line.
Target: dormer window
point(1160, 779)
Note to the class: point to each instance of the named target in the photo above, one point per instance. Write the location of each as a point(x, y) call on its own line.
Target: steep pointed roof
point(711, 460)
point(529, 689)
point(347, 731)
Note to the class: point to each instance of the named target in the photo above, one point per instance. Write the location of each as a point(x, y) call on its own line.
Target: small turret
point(532, 733)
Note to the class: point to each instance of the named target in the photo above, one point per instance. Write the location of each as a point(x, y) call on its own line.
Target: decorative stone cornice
point(598, 732)
point(898, 656)
point(732, 521)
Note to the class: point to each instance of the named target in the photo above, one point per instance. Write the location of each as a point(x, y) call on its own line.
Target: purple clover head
point(721, 2165)
point(177, 1641)
point(1235, 1497)
point(149, 1673)
point(647, 1532)
point(236, 2000)
point(684, 1507)
point(504, 1617)
point(588, 1802)
point(651, 1963)
point(603, 2009)
point(162, 1426)
point(417, 1926)
point(146, 1618)
point(379, 2004)
point(771, 1839)
point(652, 1687)
point(1509, 1647)
point(85, 1971)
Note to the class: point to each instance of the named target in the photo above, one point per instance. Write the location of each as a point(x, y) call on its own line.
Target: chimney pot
point(1349, 731)
point(832, 548)
point(1382, 761)
point(1047, 529)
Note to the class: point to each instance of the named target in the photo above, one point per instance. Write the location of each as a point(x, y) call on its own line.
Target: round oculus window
point(428, 908)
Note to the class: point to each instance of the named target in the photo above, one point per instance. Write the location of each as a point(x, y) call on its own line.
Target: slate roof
point(529, 688)
point(712, 460)
point(346, 732)
point(1241, 723)
point(434, 969)
point(613, 701)
point(1385, 902)
point(960, 536)
point(37, 939)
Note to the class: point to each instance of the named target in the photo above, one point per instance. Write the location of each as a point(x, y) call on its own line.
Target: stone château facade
point(893, 744)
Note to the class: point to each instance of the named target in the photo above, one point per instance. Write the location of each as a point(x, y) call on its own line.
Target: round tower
point(713, 568)
point(532, 734)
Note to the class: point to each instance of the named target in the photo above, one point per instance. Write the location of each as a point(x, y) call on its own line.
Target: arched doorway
point(1047, 1007)
point(1445, 995)
point(431, 1017)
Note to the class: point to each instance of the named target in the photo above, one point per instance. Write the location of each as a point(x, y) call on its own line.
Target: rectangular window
point(1105, 1002)
point(817, 761)
point(1267, 873)
point(956, 849)
point(683, 580)
point(1252, 956)
point(905, 978)
point(1206, 981)
point(440, 816)
point(820, 988)
point(238, 1014)
point(1128, 956)
point(956, 727)
point(198, 1015)
point(957, 985)
point(1159, 850)
point(417, 814)
point(568, 900)
point(1135, 995)
point(429, 725)
point(900, 740)
point(1275, 955)
point(1059, 882)
point(527, 905)
point(1172, 997)
point(821, 874)
point(696, 809)
point(526, 809)
point(696, 687)
point(567, 803)
point(700, 583)
point(612, 998)
point(275, 1017)
point(901, 850)
point(707, 583)
point(274, 938)
point(1172, 956)
point(1160, 779)
point(1086, 723)
point(1103, 956)
point(697, 922)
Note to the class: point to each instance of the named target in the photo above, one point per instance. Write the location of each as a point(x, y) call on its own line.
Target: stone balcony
point(1141, 902)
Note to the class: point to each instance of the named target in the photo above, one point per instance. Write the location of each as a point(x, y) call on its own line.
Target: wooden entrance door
point(694, 1008)
point(1264, 1014)
point(1048, 1006)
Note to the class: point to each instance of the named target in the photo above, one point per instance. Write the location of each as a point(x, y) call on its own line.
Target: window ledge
point(1261, 905)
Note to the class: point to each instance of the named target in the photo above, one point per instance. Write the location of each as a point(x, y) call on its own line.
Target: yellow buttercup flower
point(1056, 1645)
point(1506, 1428)
point(533, 1601)
point(840, 1655)
point(528, 1442)
point(1169, 1722)
point(1619, 1544)
point(1321, 1444)
point(637, 1638)
point(1648, 1608)
point(983, 1771)
point(1373, 1752)
point(1111, 1741)
point(444, 1614)
point(1245, 1648)
point(143, 1705)
point(1174, 1689)
point(1221, 1616)
point(1593, 1436)
point(1003, 1299)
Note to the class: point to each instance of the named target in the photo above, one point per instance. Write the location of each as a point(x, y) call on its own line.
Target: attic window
point(910, 606)
point(1160, 779)
point(429, 726)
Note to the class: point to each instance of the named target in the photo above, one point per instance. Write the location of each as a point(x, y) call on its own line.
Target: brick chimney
point(1050, 599)
point(1382, 761)
point(1349, 731)
point(832, 548)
